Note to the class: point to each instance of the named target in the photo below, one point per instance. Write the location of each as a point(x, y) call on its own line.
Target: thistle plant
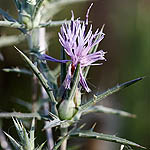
point(80, 45)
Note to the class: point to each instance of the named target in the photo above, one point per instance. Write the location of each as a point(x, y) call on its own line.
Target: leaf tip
point(128, 83)
point(142, 147)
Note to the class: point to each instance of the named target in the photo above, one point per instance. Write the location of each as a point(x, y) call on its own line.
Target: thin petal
point(87, 14)
point(49, 58)
point(91, 58)
point(83, 82)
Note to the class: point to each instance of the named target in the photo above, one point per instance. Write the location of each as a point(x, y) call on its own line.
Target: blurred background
point(127, 41)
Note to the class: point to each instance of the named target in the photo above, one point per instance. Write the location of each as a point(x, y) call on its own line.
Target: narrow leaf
point(107, 110)
point(14, 143)
point(60, 142)
point(19, 115)
point(51, 124)
point(40, 147)
point(105, 137)
point(40, 76)
point(11, 24)
point(57, 122)
point(32, 131)
point(27, 143)
point(115, 89)
point(19, 129)
point(18, 70)
point(65, 137)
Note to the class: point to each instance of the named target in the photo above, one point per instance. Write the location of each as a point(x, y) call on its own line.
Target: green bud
point(26, 19)
point(66, 110)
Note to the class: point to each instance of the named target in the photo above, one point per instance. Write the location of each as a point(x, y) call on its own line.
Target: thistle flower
point(77, 43)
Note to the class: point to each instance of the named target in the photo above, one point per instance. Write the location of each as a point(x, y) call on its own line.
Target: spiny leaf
point(17, 70)
point(107, 110)
point(53, 123)
point(66, 136)
point(19, 129)
point(105, 137)
point(60, 142)
point(32, 130)
point(15, 144)
point(12, 24)
point(27, 143)
point(115, 89)
point(56, 122)
point(19, 115)
point(40, 147)
point(40, 76)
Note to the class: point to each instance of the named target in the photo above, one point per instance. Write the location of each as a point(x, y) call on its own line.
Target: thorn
point(93, 126)
point(82, 126)
point(128, 83)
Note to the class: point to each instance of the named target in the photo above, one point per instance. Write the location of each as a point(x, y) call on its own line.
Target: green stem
point(32, 44)
point(46, 72)
point(64, 132)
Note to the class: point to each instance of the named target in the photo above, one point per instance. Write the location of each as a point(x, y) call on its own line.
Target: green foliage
point(106, 137)
point(66, 108)
point(26, 139)
point(99, 97)
point(17, 70)
point(107, 110)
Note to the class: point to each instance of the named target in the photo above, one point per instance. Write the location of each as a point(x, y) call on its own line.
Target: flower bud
point(66, 110)
point(26, 19)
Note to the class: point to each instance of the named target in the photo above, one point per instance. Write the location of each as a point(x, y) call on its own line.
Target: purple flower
point(77, 43)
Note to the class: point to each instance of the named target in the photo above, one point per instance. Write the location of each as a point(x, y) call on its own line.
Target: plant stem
point(50, 142)
point(64, 132)
point(37, 43)
point(33, 46)
point(42, 48)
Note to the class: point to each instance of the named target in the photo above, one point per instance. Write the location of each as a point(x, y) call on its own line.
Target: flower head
point(77, 43)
